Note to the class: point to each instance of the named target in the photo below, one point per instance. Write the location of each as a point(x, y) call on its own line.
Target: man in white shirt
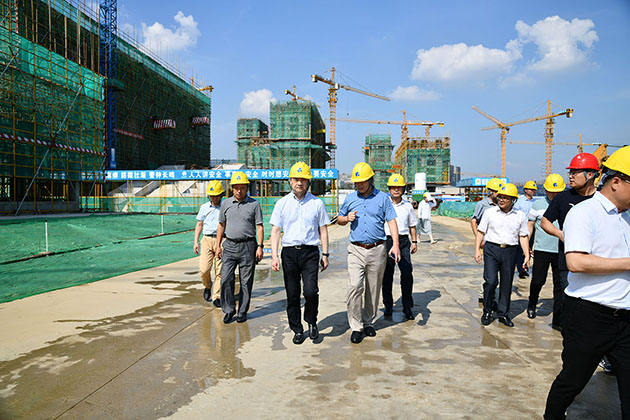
point(304, 220)
point(424, 216)
point(596, 320)
point(406, 221)
point(503, 228)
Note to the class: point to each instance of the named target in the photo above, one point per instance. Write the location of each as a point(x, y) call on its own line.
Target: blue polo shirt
point(372, 213)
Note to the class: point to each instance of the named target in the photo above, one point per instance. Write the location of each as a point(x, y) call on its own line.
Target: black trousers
point(542, 261)
point(301, 265)
point(406, 278)
point(587, 335)
point(498, 270)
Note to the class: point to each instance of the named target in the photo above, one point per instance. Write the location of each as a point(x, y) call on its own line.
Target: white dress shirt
point(405, 217)
point(596, 227)
point(299, 219)
point(501, 227)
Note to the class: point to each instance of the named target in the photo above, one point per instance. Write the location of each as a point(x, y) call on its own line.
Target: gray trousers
point(365, 278)
point(243, 255)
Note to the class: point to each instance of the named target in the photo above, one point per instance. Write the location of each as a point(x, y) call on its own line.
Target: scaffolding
point(431, 155)
point(378, 154)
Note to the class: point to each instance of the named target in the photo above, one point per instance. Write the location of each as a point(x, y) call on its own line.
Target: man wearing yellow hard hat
point(207, 222)
point(545, 250)
point(524, 204)
point(406, 221)
point(303, 219)
point(597, 297)
point(241, 222)
point(367, 210)
point(503, 229)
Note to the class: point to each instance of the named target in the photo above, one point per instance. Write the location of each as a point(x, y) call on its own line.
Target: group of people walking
point(585, 242)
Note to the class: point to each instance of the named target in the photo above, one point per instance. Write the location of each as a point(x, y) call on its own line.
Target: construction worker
point(492, 187)
point(503, 228)
point(597, 298)
point(583, 170)
point(207, 222)
point(424, 216)
point(545, 249)
point(240, 220)
point(406, 221)
point(304, 220)
point(524, 204)
point(367, 210)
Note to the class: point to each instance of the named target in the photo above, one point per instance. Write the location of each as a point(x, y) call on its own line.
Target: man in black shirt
point(583, 170)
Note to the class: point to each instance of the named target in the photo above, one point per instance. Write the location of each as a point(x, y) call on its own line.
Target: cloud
point(256, 103)
point(558, 42)
point(180, 37)
point(414, 93)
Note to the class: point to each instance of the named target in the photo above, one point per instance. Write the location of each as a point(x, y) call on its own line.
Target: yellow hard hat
point(239, 177)
point(396, 180)
point(300, 170)
point(215, 188)
point(619, 161)
point(494, 184)
point(554, 183)
point(530, 185)
point(361, 172)
point(509, 190)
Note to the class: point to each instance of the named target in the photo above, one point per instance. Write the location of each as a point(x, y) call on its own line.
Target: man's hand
point(324, 262)
point(275, 263)
point(352, 216)
point(218, 253)
point(395, 253)
point(414, 248)
point(478, 257)
point(525, 266)
point(196, 248)
point(259, 253)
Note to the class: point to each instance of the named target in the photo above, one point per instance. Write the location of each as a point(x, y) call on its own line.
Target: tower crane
point(332, 102)
point(294, 96)
point(505, 127)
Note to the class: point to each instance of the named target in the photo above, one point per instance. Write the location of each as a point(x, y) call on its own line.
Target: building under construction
point(296, 133)
point(378, 153)
point(431, 155)
point(64, 118)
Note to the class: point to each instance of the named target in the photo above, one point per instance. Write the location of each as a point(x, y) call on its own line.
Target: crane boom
point(373, 95)
point(390, 122)
point(490, 117)
point(568, 112)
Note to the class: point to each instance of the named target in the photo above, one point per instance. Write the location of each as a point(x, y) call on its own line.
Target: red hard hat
point(584, 161)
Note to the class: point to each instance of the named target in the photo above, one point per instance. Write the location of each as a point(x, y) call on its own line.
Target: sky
point(433, 59)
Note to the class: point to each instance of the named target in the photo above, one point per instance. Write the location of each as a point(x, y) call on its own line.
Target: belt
point(300, 247)
point(600, 308)
point(213, 235)
point(502, 245)
point(239, 241)
point(368, 246)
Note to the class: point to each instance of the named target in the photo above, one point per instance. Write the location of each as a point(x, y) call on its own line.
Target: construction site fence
point(459, 209)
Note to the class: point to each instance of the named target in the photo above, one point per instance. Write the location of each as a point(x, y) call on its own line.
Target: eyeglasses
point(574, 172)
point(504, 198)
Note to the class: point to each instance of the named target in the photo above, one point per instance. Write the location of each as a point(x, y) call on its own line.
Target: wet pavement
point(146, 346)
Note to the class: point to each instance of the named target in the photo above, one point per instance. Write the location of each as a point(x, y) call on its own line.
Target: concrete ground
point(146, 346)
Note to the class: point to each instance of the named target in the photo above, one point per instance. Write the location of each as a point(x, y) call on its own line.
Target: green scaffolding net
point(459, 209)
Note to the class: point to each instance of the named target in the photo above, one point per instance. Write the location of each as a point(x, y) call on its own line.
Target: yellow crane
point(505, 127)
point(332, 102)
point(293, 95)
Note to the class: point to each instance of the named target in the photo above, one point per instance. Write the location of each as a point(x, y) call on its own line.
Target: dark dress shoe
point(387, 311)
point(556, 327)
point(241, 318)
point(369, 331)
point(408, 313)
point(206, 295)
point(217, 303)
point(531, 312)
point(313, 333)
point(523, 275)
point(228, 318)
point(505, 320)
point(298, 338)
point(356, 337)
point(486, 318)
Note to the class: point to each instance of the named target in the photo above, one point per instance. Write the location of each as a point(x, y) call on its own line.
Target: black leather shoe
point(206, 295)
point(408, 313)
point(556, 327)
point(298, 338)
point(531, 312)
point(505, 320)
point(369, 331)
point(486, 318)
point(241, 318)
point(217, 303)
point(313, 333)
point(387, 311)
point(356, 337)
point(228, 318)
point(523, 275)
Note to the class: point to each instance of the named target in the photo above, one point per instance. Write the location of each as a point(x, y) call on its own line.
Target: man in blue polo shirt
point(367, 210)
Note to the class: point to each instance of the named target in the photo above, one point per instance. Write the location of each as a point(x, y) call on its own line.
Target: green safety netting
point(458, 209)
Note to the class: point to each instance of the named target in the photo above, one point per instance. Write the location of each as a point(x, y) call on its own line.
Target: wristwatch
point(261, 246)
point(414, 242)
point(325, 254)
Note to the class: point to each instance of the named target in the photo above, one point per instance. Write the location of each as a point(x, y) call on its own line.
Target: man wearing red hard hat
point(583, 170)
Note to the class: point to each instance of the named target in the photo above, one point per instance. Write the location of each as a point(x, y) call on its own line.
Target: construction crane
point(505, 127)
point(580, 145)
point(294, 96)
point(403, 124)
point(332, 102)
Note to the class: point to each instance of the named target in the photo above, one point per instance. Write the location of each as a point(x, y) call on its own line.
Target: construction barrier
point(460, 210)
